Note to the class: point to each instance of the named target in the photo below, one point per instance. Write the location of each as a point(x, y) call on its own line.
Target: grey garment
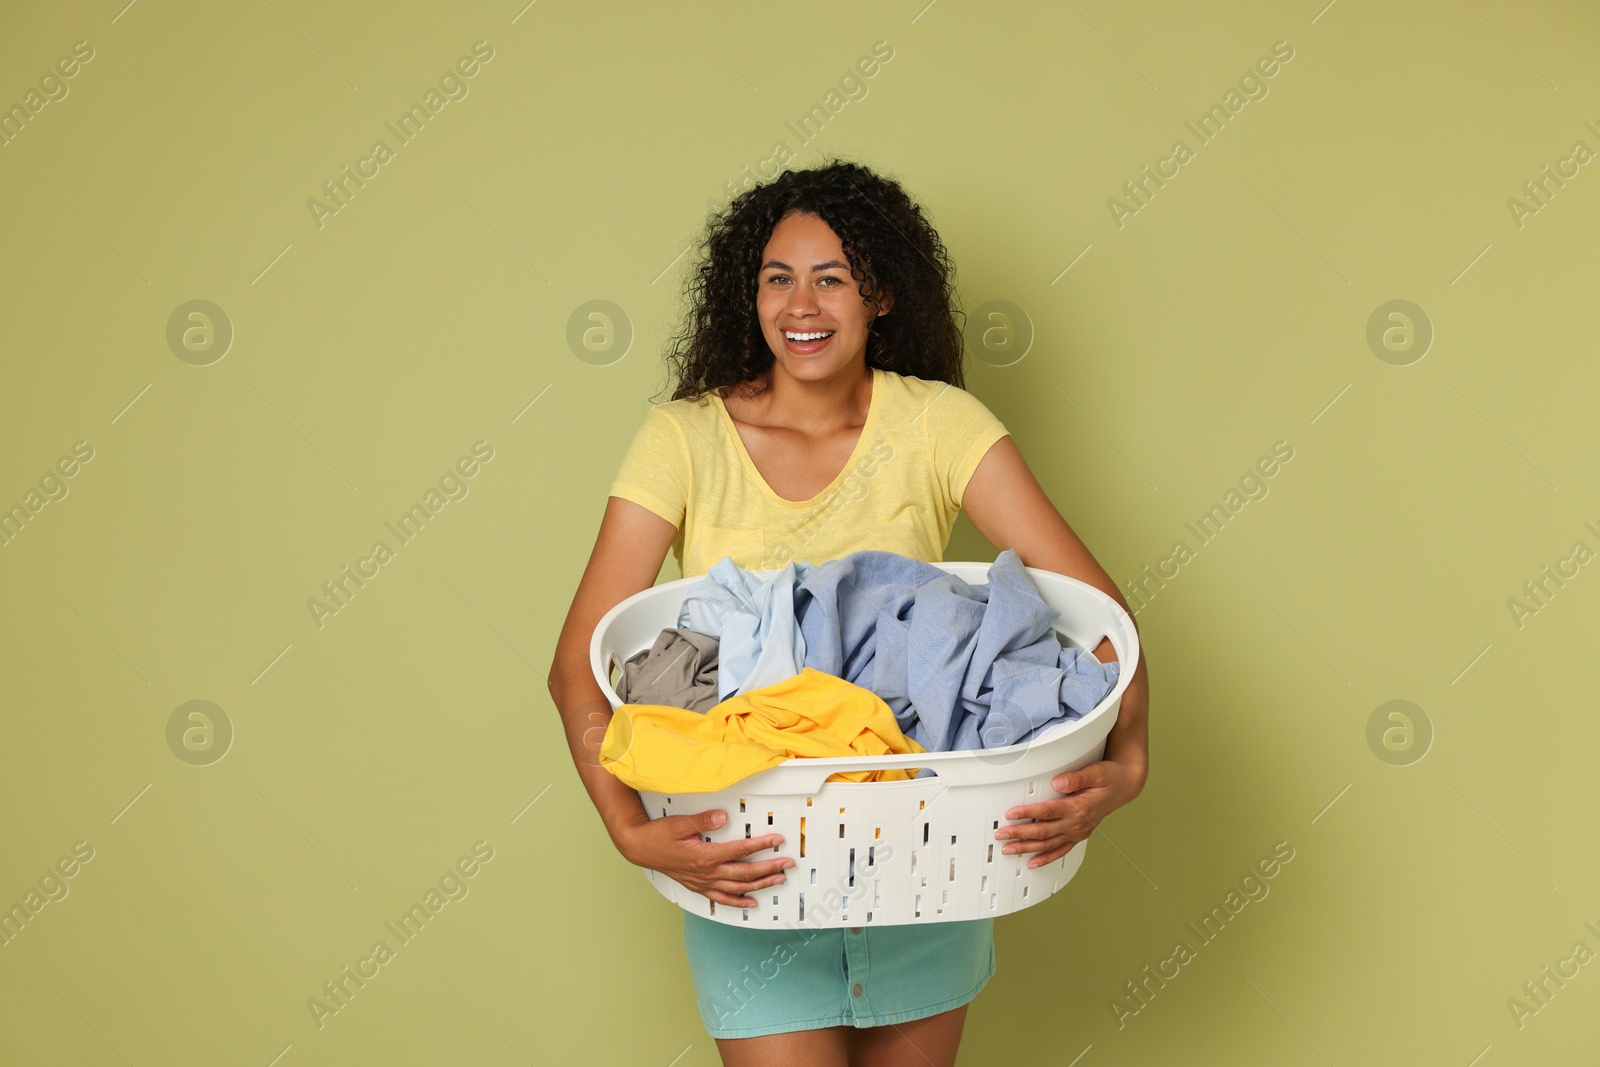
point(679, 670)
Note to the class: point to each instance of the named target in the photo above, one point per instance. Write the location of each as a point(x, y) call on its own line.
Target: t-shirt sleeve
point(961, 430)
point(655, 469)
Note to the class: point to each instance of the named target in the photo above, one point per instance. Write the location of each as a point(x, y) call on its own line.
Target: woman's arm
point(1010, 509)
point(627, 557)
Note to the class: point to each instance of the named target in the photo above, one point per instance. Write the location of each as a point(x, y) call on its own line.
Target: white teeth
point(807, 336)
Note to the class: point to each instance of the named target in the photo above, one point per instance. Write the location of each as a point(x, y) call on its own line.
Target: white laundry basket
point(885, 853)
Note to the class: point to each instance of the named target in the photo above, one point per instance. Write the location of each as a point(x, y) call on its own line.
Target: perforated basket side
point(903, 852)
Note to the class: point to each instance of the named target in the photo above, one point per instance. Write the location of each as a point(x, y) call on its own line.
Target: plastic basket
point(889, 853)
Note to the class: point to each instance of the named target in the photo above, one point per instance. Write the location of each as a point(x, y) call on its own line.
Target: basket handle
point(807, 774)
point(960, 767)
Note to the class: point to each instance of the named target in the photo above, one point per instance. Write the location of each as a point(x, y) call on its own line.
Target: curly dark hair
point(891, 247)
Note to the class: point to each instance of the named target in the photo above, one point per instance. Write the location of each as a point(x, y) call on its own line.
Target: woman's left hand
point(1090, 793)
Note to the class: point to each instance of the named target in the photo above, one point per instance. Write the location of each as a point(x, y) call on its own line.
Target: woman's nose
point(802, 299)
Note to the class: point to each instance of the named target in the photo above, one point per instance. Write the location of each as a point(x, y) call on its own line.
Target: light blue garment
point(961, 666)
point(753, 620)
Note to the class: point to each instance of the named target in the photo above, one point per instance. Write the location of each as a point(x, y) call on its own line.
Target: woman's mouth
point(805, 342)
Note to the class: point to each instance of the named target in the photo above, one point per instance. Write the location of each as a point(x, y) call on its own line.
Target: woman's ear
point(885, 302)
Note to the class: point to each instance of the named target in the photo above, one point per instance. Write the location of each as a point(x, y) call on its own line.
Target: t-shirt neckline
point(844, 472)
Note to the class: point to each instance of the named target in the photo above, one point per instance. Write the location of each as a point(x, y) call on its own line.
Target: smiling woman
point(820, 409)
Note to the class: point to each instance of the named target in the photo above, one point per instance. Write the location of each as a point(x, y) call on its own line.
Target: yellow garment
point(900, 490)
point(674, 750)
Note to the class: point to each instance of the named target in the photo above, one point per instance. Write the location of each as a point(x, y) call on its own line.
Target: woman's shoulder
point(944, 402)
point(688, 410)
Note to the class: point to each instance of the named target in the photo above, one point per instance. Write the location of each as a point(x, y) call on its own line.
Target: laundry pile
point(868, 654)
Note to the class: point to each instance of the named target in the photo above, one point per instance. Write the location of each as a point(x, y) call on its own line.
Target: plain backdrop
point(1144, 357)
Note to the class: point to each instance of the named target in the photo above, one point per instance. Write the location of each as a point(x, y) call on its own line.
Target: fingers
point(1053, 809)
point(1048, 844)
point(1037, 844)
point(735, 876)
point(750, 871)
point(730, 852)
point(743, 876)
point(1046, 810)
point(1074, 809)
point(1052, 855)
point(1034, 844)
point(696, 825)
point(737, 884)
point(1030, 830)
point(1072, 826)
point(1050, 817)
point(1083, 778)
point(728, 899)
point(745, 846)
point(703, 823)
point(734, 890)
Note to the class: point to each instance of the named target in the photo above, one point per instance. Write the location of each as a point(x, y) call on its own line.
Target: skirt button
point(855, 929)
point(856, 989)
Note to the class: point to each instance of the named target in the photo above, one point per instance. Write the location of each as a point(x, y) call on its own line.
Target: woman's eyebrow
point(820, 266)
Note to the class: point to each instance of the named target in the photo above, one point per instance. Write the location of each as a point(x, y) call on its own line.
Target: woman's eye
point(783, 279)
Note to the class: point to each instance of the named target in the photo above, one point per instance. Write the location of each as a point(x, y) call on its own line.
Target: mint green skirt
point(750, 981)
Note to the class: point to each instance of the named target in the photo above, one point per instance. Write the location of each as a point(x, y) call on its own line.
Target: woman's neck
point(817, 406)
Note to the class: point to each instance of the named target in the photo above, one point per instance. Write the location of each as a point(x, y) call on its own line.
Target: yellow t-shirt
point(900, 490)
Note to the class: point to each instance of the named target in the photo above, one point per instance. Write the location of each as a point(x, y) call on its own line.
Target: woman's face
point(805, 289)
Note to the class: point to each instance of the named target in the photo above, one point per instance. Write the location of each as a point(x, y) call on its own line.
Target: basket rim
point(1128, 667)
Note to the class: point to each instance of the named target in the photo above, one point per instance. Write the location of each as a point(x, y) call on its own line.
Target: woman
point(820, 409)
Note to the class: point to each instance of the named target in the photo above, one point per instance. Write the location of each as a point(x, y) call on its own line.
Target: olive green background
point(1230, 312)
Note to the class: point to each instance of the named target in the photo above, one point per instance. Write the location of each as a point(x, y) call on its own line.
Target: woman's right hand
point(714, 869)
